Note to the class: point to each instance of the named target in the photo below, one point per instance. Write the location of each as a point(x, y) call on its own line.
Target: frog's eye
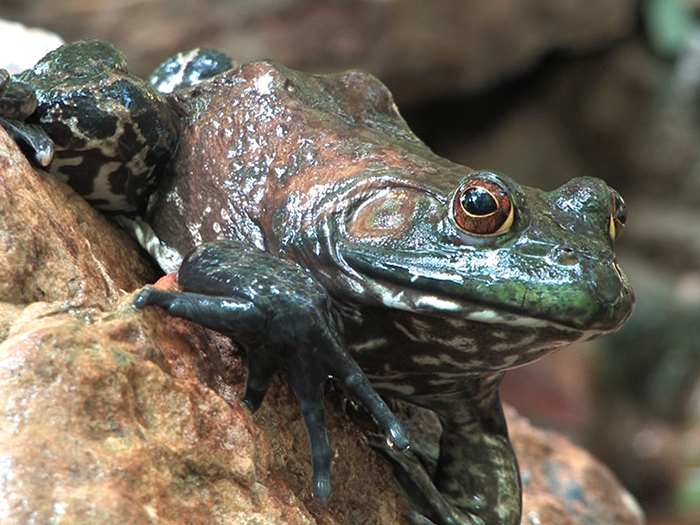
point(482, 207)
point(618, 216)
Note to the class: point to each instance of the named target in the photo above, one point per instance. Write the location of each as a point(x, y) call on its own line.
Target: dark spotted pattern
point(112, 131)
point(437, 352)
point(189, 68)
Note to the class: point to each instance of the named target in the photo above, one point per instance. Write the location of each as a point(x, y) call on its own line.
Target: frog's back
point(279, 142)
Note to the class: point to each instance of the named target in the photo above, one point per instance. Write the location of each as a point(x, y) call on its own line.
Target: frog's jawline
point(393, 295)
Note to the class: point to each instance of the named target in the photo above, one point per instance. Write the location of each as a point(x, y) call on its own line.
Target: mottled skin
point(101, 129)
point(327, 231)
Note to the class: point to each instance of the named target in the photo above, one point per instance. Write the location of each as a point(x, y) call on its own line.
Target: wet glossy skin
point(110, 130)
point(322, 172)
point(339, 231)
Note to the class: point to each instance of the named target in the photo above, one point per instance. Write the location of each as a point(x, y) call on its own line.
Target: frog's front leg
point(283, 318)
point(478, 471)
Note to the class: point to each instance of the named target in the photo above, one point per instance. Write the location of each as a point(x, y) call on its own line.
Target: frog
point(315, 229)
point(80, 114)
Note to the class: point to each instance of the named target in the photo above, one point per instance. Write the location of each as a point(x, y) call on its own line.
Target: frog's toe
point(416, 518)
point(33, 140)
point(173, 302)
point(340, 364)
point(360, 387)
point(261, 369)
point(144, 297)
point(306, 380)
point(313, 412)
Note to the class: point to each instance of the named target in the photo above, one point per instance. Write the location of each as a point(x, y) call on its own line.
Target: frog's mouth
point(512, 298)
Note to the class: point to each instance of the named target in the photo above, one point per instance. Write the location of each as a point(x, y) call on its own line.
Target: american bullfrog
point(323, 234)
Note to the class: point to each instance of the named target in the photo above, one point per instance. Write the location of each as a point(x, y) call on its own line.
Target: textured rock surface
point(563, 484)
point(54, 246)
point(418, 47)
point(114, 417)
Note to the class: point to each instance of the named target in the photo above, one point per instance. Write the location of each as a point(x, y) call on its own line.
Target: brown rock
point(54, 246)
point(115, 417)
point(565, 485)
point(420, 48)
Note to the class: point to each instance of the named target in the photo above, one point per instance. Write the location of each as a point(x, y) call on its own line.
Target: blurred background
point(542, 90)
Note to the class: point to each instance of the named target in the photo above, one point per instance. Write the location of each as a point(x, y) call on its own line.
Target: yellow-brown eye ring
point(618, 216)
point(482, 207)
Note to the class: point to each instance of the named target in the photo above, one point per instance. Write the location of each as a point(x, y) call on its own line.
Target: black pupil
point(479, 202)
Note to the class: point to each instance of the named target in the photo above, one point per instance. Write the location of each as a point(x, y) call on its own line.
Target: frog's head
point(486, 249)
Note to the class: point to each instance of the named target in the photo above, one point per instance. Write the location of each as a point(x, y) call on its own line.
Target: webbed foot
point(17, 102)
point(476, 480)
point(284, 320)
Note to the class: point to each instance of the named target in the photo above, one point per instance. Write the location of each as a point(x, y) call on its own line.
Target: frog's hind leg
point(167, 257)
point(477, 480)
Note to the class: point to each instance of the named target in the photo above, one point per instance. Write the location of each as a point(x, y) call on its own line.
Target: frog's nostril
point(566, 256)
